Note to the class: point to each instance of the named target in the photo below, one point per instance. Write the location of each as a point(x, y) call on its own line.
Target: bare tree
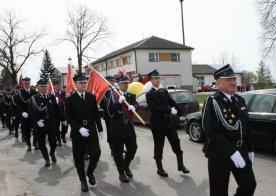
point(85, 29)
point(267, 9)
point(16, 47)
point(225, 59)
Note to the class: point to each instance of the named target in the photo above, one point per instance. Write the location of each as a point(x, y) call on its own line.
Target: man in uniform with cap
point(123, 133)
point(81, 112)
point(14, 110)
point(106, 101)
point(162, 106)
point(6, 109)
point(60, 95)
point(43, 110)
point(23, 100)
point(228, 145)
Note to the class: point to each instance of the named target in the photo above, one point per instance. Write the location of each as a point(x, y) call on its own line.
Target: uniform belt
point(165, 115)
point(237, 143)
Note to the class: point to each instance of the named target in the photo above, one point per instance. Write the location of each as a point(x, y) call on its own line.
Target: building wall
point(184, 67)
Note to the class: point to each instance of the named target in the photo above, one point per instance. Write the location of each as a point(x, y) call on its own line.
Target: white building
point(203, 74)
point(172, 60)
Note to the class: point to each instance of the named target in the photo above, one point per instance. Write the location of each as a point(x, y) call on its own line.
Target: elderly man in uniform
point(162, 106)
point(81, 112)
point(43, 110)
point(23, 100)
point(228, 145)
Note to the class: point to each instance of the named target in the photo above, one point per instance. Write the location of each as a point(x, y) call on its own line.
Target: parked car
point(184, 98)
point(261, 105)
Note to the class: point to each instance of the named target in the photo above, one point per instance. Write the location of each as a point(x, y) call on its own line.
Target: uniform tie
point(233, 100)
point(82, 96)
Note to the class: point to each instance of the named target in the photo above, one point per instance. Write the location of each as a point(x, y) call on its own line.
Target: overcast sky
point(212, 27)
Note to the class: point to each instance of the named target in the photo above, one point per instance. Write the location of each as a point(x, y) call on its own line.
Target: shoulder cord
point(12, 98)
point(21, 97)
point(108, 101)
point(224, 122)
point(8, 104)
point(38, 108)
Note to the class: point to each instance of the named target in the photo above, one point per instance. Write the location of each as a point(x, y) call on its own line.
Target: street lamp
point(182, 18)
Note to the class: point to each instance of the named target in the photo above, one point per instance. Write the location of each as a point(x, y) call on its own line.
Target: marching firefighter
point(81, 112)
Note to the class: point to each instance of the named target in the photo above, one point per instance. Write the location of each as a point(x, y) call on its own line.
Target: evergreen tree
point(264, 76)
point(47, 69)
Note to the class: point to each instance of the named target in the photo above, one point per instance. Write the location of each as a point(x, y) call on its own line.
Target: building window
point(153, 57)
point(117, 62)
point(200, 81)
point(175, 57)
point(103, 67)
point(129, 59)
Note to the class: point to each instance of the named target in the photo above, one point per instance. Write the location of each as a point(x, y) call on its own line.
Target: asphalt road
point(22, 172)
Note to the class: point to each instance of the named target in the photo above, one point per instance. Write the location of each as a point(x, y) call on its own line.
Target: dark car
point(184, 98)
point(261, 105)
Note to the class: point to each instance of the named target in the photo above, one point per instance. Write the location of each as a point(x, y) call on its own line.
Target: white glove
point(251, 156)
point(25, 114)
point(64, 123)
point(131, 107)
point(173, 111)
point(40, 123)
point(182, 118)
point(84, 132)
point(238, 160)
point(101, 136)
point(4, 114)
point(121, 99)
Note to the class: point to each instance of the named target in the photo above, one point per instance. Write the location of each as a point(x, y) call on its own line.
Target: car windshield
point(182, 97)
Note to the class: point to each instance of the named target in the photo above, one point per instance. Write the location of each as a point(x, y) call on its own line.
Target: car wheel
point(195, 131)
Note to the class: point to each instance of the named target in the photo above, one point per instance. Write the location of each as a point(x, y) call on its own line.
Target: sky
point(212, 27)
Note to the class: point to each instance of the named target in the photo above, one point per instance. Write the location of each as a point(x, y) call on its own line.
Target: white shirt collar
point(227, 95)
point(80, 94)
point(43, 94)
point(155, 88)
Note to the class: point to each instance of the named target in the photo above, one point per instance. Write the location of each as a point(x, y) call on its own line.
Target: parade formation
point(41, 114)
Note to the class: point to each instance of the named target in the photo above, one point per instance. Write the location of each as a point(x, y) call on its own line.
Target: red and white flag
point(97, 85)
point(50, 86)
point(70, 87)
point(21, 83)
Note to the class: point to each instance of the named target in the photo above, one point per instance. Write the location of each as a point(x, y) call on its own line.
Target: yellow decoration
point(135, 88)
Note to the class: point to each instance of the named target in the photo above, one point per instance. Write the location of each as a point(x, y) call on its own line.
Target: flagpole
point(127, 104)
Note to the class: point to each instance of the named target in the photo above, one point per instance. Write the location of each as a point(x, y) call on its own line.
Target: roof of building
point(203, 69)
point(148, 43)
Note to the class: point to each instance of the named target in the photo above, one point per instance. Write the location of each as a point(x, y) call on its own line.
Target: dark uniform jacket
point(225, 124)
point(160, 104)
point(106, 101)
point(45, 109)
point(14, 108)
point(61, 103)
point(6, 105)
point(82, 113)
point(120, 123)
point(23, 100)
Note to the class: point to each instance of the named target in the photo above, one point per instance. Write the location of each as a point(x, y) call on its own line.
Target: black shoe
point(64, 140)
point(53, 157)
point(47, 163)
point(183, 169)
point(128, 172)
point(29, 148)
point(123, 178)
point(84, 187)
point(162, 173)
point(10, 132)
point(92, 179)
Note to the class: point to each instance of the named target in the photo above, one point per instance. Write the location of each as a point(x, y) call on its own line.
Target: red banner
point(21, 83)
point(50, 86)
point(97, 85)
point(70, 84)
